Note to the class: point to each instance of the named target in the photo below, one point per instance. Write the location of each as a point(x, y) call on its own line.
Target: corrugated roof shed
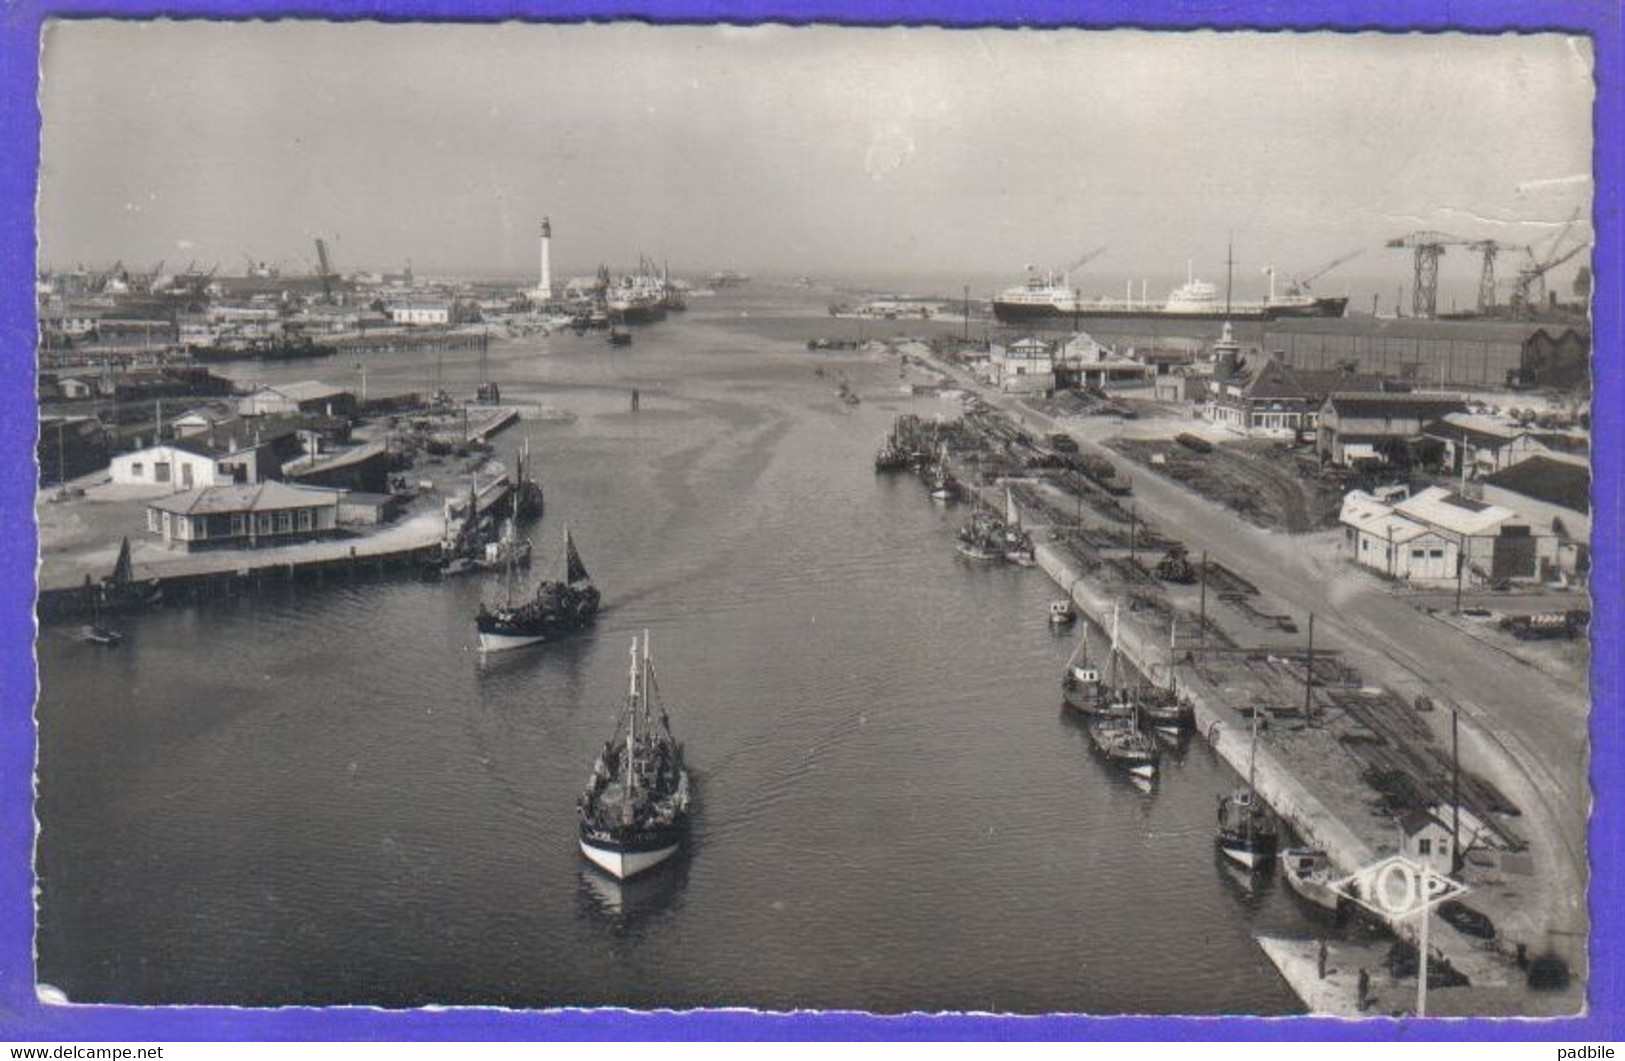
point(1556, 482)
point(1448, 511)
point(1402, 406)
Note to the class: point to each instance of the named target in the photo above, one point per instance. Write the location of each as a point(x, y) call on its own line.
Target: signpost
point(1397, 889)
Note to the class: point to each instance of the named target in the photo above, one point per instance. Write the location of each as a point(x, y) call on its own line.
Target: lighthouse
point(544, 289)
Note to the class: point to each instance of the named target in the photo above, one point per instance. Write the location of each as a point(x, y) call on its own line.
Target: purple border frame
point(22, 1018)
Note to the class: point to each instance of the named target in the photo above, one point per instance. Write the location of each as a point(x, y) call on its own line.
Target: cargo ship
point(1046, 298)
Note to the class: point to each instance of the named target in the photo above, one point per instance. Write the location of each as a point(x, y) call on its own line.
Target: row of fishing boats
point(895, 455)
point(1127, 724)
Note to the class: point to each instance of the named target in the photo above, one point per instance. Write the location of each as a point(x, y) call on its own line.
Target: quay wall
point(406, 548)
point(1225, 731)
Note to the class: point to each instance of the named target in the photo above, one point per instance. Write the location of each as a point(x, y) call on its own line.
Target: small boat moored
point(1308, 871)
point(1248, 830)
point(1120, 740)
point(982, 538)
point(1061, 613)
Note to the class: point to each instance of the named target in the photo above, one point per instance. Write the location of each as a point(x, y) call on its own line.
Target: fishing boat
point(982, 538)
point(1061, 613)
point(1308, 871)
point(619, 336)
point(1120, 740)
point(465, 537)
point(634, 813)
point(1083, 688)
point(555, 610)
point(529, 501)
point(1248, 830)
point(1166, 709)
point(509, 550)
point(1018, 544)
point(122, 591)
point(892, 456)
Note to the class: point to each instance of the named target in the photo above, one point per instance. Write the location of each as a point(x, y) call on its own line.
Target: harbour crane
point(325, 267)
point(1303, 284)
point(1533, 273)
point(1427, 247)
point(1066, 269)
point(1489, 248)
point(1523, 304)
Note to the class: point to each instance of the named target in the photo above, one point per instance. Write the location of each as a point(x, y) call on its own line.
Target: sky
point(797, 150)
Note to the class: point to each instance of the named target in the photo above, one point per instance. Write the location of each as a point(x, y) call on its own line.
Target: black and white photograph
point(887, 519)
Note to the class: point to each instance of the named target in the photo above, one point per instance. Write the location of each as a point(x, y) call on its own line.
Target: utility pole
point(1461, 568)
point(1309, 673)
point(1201, 640)
point(1455, 793)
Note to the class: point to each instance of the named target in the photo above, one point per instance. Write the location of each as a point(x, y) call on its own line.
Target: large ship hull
point(625, 853)
point(636, 313)
point(1041, 313)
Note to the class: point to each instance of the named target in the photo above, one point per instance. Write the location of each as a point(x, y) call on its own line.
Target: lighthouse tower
point(544, 289)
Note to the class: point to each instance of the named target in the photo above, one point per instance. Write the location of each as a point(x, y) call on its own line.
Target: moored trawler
point(634, 813)
point(1248, 831)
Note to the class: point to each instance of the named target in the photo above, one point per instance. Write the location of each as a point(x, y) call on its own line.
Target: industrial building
point(1353, 427)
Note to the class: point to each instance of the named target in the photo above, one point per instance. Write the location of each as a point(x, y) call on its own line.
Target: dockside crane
point(1489, 248)
point(1067, 269)
point(1523, 304)
point(325, 270)
point(1533, 273)
point(1303, 284)
point(1427, 247)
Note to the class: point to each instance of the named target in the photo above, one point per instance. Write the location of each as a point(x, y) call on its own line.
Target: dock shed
point(1354, 425)
point(1481, 445)
point(1380, 539)
point(306, 396)
point(266, 514)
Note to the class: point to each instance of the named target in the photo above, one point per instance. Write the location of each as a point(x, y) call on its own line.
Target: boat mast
point(1229, 273)
point(1082, 648)
point(1252, 787)
point(628, 775)
point(1173, 621)
point(1111, 678)
point(648, 673)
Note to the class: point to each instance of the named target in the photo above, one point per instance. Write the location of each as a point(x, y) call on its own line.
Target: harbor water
point(325, 796)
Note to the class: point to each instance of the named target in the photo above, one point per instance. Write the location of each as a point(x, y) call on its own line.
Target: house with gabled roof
point(1276, 400)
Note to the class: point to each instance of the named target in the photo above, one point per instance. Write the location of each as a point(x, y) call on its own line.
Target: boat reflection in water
point(630, 904)
point(1250, 886)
